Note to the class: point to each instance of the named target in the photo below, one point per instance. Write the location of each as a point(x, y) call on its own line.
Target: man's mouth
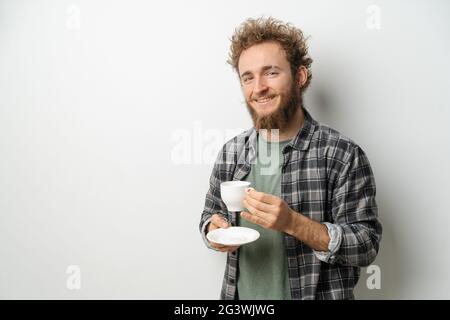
point(264, 100)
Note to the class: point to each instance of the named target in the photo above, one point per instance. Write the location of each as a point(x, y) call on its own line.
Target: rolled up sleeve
point(355, 214)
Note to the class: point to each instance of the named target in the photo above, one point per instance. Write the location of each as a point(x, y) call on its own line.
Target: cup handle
point(247, 190)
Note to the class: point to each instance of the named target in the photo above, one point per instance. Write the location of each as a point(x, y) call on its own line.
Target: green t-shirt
point(263, 270)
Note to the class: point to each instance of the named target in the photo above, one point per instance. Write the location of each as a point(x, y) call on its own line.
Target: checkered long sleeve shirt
point(326, 177)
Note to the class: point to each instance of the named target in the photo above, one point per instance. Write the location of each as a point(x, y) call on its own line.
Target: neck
point(292, 128)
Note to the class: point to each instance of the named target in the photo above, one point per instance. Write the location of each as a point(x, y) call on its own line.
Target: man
point(316, 211)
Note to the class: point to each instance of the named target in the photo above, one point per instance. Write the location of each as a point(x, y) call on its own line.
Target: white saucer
point(233, 236)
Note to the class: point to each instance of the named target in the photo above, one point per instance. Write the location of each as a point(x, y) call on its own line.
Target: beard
point(279, 118)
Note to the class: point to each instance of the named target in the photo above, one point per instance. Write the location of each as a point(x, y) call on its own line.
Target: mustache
point(263, 96)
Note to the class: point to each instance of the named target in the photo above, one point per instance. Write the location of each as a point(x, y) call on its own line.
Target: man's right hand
point(218, 222)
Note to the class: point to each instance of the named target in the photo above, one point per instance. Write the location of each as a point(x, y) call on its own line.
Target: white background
point(95, 95)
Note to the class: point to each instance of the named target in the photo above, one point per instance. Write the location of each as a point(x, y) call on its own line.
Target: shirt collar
point(303, 138)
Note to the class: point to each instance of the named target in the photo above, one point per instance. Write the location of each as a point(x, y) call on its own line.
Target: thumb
point(222, 222)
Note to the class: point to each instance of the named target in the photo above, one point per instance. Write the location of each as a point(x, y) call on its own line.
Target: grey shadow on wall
point(324, 104)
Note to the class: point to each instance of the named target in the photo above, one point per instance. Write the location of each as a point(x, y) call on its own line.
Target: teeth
point(264, 100)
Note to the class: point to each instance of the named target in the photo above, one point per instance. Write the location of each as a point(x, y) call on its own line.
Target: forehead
point(267, 53)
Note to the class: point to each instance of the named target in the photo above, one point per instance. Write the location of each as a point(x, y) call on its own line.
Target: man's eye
point(272, 73)
point(245, 80)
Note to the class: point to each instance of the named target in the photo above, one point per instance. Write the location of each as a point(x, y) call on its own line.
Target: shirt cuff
point(204, 231)
point(335, 234)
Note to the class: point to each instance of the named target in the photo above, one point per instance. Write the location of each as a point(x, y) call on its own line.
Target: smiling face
point(271, 93)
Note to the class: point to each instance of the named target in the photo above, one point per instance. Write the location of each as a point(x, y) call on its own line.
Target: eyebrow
point(265, 68)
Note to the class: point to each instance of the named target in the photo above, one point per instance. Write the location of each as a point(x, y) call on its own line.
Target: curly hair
point(255, 31)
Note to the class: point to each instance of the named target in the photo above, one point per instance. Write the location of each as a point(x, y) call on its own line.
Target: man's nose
point(260, 86)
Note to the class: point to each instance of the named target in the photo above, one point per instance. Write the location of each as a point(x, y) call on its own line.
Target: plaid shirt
point(326, 177)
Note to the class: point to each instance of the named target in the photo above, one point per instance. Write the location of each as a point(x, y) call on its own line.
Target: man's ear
point(302, 76)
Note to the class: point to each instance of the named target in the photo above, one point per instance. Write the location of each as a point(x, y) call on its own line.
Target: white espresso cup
point(232, 193)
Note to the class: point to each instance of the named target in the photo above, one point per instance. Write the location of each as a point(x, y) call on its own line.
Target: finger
point(259, 205)
point(254, 219)
point(217, 245)
point(219, 221)
point(261, 196)
point(212, 226)
point(261, 214)
point(223, 248)
point(229, 248)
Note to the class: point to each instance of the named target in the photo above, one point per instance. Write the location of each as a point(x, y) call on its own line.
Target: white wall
point(93, 95)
